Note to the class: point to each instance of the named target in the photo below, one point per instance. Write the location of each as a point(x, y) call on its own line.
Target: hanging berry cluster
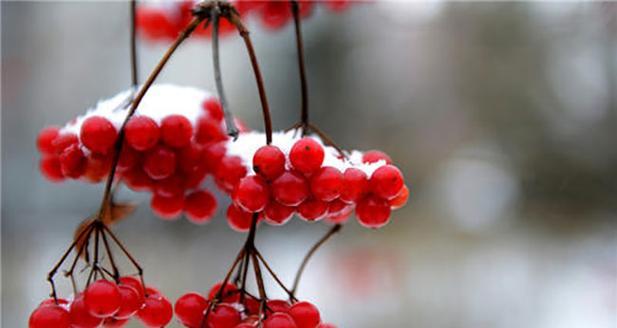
point(167, 140)
point(161, 21)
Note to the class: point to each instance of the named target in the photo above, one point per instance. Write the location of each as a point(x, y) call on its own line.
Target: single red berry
point(209, 131)
point(252, 193)
point(355, 185)
point(252, 307)
point(102, 298)
point(213, 107)
point(176, 131)
point(156, 311)
point(131, 302)
point(278, 214)
point(340, 217)
point(269, 162)
point(280, 320)
point(114, 323)
point(200, 206)
point(305, 315)
point(373, 156)
point(154, 24)
point(306, 155)
point(223, 316)
point(73, 162)
point(387, 181)
point(278, 306)
point(160, 163)
point(189, 309)
point(229, 172)
point(98, 134)
point(97, 167)
point(50, 168)
point(336, 207)
point(80, 316)
point(136, 284)
point(129, 158)
point(373, 212)
point(312, 209)
point(170, 186)
point(337, 5)
point(195, 178)
point(45, 139)
point(167, 208)
point(63, 141)
point(275, 14)
point(142, 132)
point(290, 189)
point(238, 219)
point(400, 200)
point(50, 316)
point(326, 184)
point(213, 154)
point(228, 294)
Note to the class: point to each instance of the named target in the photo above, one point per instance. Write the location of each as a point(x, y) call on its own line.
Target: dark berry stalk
point(304, 111)
point(133, 45)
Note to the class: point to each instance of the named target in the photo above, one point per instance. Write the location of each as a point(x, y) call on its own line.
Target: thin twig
point(133, 45)
point(336, 228)
point(304, 109)
point(276, 278)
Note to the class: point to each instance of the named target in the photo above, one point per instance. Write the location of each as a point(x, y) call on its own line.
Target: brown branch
point(304, 109)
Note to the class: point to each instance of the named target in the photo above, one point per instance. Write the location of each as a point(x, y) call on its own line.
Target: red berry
point(278, 306)
point(213, 154)
point(160, 163)
point(191, 158)
point(114, 323)
point(223, 316)
point(277, 214)
point(252, 194)
point(63, 141)
point(229, 293)
point(269, 162)
point(98, 134)
point(340, 217)
point(190, 309)
point(156, 311)
point(400, 200)
point(337, 5)
point(373, 156)
point(280, 320)
point(306, 155)
point(229, 172)
point(130, 304)
point(102, 298)
point(138, 180)
point(50, 168)
point(171, 186)
point(142, 132)
point(355, 185)
point(239, 219)
point(136, 284)
point(50, 316)
point(176, 131)
point(275, 14)
point(305, 315)
point(373, 212)
point(326, 184)
point(97, 167)
point(200, 206)
point(45, 139)
point(128, 158)
point(168, 208)
point(312, 209)
point(209, 131)
point(80, 316)
point(73, 162)
point(213, 107)
point(387, 181)
point(252, 307)
point(336, 207)
point(290, 189)
point(154, 24)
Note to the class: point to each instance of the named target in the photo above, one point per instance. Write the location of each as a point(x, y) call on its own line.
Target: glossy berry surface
point(160, 163)
point(102, 298)
point(156, 311)
point(373, 212)
point(277, 214)
point(189, 309)
point(45, 139)
point(80, 315)
point(130, 303)
point(306, 155)
point(167, 207)
point(200, 206)
point(305, 315)
point(280, 320)
point(355, 185)
point(223, 316)
point(291, 188)
point(49, 316)
point(269, 162)
point(142, 133)
point(387, 181)
point(251, 194)
point(98, 134)
point(312, 209)
point(373, 156)
point(326, 184)
point(176, 131)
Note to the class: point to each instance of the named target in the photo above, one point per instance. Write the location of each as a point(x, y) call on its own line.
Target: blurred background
point(503, 118)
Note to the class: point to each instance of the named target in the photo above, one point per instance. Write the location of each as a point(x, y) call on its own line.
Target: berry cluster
point(235, 310)
point(105, 304)
point(171, 145)
point(305, 177)
point(158, 21)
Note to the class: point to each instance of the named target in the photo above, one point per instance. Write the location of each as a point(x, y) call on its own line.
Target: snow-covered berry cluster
point(163, 20)
point(302, 175)
point(235, 310)
point(171, 145)
point(105, 304)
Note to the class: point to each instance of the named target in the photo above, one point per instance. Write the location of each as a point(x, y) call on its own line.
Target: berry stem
point(116, 273)
point(215, 14)
point(303, 80)
point(140, 270)
point(105, 204)
point(336, 228)
point(276, 278)
point(234, 18)
point(133, 45)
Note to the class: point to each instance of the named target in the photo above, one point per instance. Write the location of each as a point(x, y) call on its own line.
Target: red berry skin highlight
point(290, 189)
point(98, 134)
point(142, 133)
point(306, 155)
point(327, 183)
